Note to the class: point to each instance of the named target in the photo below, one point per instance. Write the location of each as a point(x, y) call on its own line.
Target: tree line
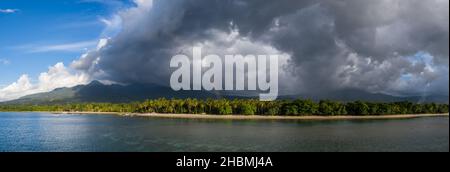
point(242, 107)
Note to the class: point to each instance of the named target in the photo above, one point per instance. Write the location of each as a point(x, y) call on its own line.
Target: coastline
point(256, 117)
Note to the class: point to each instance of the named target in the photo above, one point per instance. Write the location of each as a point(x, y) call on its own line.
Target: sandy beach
point(258, 117)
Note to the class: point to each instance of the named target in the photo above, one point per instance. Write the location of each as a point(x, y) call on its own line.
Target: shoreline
point(255, 117)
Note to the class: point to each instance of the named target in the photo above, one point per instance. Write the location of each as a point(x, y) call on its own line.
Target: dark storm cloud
point(333, 44)
point(382, 28)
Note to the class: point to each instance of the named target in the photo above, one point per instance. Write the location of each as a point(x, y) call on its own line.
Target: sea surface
point(42, 132)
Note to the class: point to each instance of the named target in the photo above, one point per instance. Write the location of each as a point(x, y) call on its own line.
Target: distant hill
point(98, 92)
point(354, 95)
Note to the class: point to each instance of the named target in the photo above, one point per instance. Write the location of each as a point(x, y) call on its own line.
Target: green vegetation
point(243, 107)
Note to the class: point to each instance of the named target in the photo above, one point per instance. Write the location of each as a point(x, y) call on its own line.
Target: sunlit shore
point(259, 117)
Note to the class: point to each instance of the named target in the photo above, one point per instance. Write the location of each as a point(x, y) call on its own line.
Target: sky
point(36, 34)
point(395, 47)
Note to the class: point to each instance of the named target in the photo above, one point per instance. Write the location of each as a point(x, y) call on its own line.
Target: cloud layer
point(378, 46)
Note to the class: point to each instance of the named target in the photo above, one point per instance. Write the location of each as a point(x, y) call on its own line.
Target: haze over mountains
point(98, 92)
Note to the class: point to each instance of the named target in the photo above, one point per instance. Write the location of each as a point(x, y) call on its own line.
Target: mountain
point(98, 92)
point(347, 95)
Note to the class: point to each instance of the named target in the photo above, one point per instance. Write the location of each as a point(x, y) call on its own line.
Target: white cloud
point(8, 11)
point(57, 76)
point(113, 26)
point(16, 89)
point(69, 47)
point(88, 60)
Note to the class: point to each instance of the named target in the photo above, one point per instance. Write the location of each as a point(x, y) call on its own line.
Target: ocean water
point(43, 132)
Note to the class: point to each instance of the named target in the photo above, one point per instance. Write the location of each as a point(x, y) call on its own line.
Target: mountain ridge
point(96, 92)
